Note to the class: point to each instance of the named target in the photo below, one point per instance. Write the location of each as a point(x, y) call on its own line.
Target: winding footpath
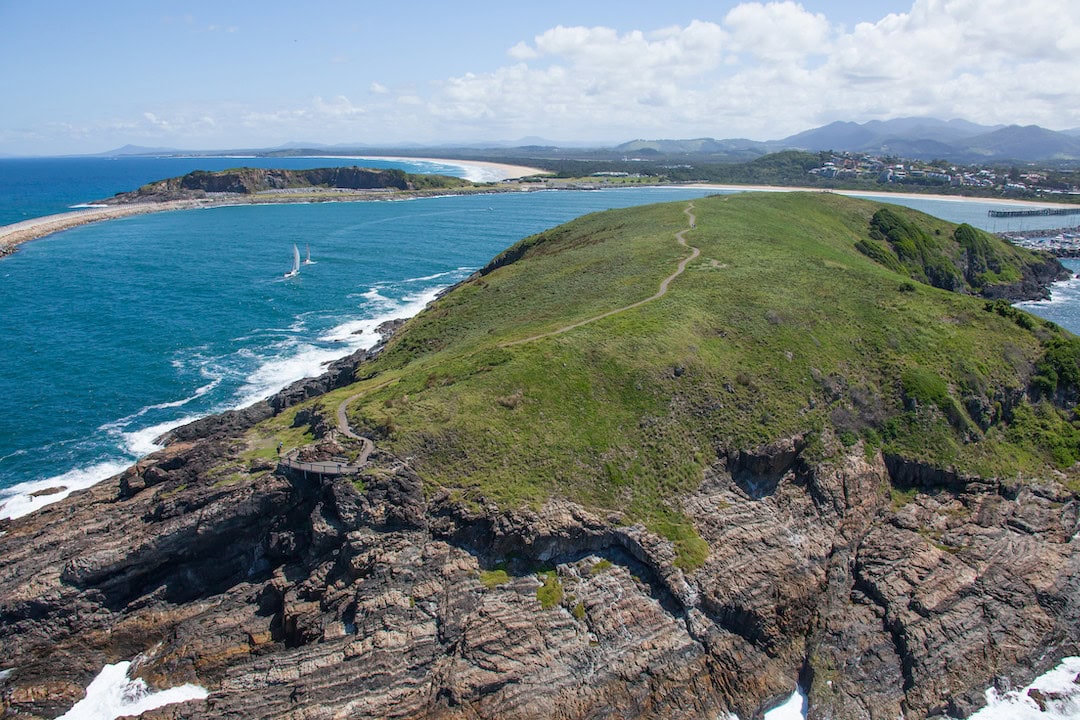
point(334, 468)
point(694, 253)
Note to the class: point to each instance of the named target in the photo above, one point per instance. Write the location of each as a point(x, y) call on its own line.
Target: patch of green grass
point(899, 498)
point(550, 593)
point(600, 566)
point(173, 491)
point(579, 611)
point(263, 439)
point(232, 479)
point(494, 578)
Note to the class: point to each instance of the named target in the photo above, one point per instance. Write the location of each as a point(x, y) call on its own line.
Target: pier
point(1033, 213)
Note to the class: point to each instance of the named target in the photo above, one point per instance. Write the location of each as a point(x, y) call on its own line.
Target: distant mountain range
point(957, 141)
point(915, 138)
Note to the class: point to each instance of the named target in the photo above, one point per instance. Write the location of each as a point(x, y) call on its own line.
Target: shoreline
point(502, 171)
point(15, 234)
point(880, 194)
point(29, 496)
point(11, 236)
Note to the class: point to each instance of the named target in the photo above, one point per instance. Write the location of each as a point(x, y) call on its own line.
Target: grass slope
point(781, 327)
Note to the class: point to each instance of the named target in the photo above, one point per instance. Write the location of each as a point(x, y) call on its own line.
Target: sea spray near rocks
point(295, 361)
point(112, 695)
point(1054, 695)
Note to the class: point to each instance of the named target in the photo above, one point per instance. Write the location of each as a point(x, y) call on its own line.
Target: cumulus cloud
point(763, 70)
point(774, 68)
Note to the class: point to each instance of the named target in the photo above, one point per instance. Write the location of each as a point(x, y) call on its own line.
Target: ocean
point(118, 331)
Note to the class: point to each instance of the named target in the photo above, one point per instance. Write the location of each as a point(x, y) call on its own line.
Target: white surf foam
point(117, 424)
point(425, 278)
point(1061, 292)
point(1061, 697)
point(292, 361)
point(112, 695)
point(80, 206)
point(794, 708)
point(18, 500)
point(141, 442)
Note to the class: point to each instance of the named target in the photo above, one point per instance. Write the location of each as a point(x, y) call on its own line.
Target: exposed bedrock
point(288, 597)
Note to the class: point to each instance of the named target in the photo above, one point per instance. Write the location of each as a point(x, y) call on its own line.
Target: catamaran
point(308, 260)
point(295, 263)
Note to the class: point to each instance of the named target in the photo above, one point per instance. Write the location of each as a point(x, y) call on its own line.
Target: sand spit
point(20, 232)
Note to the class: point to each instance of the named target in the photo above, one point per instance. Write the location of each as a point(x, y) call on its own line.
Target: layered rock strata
point(375, 597)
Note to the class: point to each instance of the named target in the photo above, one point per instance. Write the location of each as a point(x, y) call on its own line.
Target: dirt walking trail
point(694, 252)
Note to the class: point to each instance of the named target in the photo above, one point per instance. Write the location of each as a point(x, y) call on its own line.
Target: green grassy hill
point(784, 326)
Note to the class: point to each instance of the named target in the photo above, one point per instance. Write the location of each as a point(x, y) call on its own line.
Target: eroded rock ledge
point(288, 597)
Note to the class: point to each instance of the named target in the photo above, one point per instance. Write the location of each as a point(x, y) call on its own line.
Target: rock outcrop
point(369, 597)
point(247, 181)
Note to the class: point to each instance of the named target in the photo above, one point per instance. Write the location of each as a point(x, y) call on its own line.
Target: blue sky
point(87, 77)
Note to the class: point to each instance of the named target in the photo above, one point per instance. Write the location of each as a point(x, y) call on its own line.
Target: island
point(665, 461)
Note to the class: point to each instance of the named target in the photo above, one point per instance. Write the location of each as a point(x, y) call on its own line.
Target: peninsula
point(239, 186)
point(201, 189)
point(662, 462)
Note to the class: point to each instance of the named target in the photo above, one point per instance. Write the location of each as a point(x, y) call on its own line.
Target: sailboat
point(295, 263)
point(308, 260)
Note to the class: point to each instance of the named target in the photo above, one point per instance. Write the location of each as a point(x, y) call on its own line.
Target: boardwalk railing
point(331, 468)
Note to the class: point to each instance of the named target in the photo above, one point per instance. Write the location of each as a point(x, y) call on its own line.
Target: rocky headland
point(240, 186)
point(676, 512)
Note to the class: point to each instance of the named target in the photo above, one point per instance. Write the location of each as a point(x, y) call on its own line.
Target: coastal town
point(1014, 181)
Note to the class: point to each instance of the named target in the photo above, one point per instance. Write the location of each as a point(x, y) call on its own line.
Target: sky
point(78, 77)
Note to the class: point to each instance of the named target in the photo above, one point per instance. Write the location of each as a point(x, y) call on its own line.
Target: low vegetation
point(785, 325)
point(550, 592)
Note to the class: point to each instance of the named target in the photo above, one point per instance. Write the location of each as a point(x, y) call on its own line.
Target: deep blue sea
point(115, 332)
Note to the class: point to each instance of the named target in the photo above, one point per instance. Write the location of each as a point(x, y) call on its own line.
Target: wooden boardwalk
point(335, 467)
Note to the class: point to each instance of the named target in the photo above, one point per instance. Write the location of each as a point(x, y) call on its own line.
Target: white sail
point(295, 262)
point(308, 260)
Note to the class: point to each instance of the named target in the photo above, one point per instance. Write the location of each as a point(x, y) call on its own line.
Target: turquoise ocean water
point(115, 332)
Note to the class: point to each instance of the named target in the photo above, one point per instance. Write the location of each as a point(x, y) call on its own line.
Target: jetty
point(1033, 213)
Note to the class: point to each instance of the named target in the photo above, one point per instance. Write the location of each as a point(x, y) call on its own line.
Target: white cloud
point(764, 70)
point(771, 69)
point(779, 32)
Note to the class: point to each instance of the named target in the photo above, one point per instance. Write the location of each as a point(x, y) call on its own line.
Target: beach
point(17, 233)
point(11, 236)
point(20, 232)
point(881, 195)
point(489, 171)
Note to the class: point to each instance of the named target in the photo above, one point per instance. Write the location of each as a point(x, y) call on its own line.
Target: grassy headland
point(784, 326)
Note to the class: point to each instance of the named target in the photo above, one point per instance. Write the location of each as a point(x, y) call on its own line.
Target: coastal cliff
point(803, 462)
point(249, 181)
